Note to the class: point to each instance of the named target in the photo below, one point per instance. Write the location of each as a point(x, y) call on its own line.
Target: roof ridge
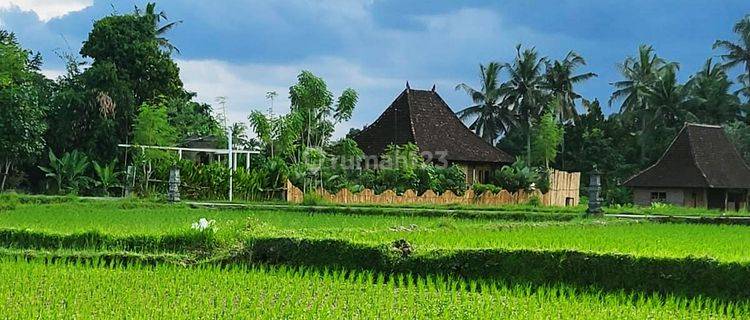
point(692, 152)
point(693, 124)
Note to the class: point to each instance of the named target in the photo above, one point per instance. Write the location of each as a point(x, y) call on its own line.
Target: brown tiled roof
point(701, 156)
point(423, 118)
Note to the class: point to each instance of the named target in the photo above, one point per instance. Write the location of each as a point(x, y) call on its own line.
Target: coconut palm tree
point(160, 30)
point(491, 119)
point(640, 74)
point(524, 91)
point(559, 80)
point(710, 96)
point(737, 54)
point(667, 99)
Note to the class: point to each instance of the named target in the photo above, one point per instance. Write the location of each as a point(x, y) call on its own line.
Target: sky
point(242, 49)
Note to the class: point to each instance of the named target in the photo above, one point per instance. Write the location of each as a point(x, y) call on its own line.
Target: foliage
point(152, 128)
point(737, 54)
point(107, 177)
point(68, 172)
point(547, 138)
point(492, 119)
point(739, 133)
point(535, 201)
point(479, 188)
point(516, 177)
point(560, 82)
point(22, 109)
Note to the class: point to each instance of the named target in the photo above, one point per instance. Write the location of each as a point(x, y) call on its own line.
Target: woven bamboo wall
point(564, 188)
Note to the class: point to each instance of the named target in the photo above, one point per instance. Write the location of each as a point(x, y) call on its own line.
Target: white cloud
point(53, 73)
point(46, 10)
point(246, 85)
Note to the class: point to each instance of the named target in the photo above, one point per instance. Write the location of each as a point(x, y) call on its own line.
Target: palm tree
point(667, 99)
point(491, 119)
point(640, 74)
point(710, 99)
point(560, 81)
point(737, 53)
point(524, 91)
point(744, 82)
point(160, 31)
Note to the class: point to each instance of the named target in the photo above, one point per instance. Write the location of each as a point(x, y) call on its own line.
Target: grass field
point(584, 268)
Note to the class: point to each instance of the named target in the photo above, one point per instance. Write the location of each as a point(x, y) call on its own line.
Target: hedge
point(611, 272)
point(181, 242)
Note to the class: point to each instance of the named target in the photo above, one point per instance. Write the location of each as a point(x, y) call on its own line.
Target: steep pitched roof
point(423, 118)
point(701, 156)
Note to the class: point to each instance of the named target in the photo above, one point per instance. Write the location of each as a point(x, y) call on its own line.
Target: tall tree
point(157, 18)
point(737, 54)
point(491, 118)
point(311, 99)
point(547, 136)
point(640, 74)
point(524, 91)
point(127, 76)
point(667, 113)
point(710, 97)
point(560, 81)
point(21, 113)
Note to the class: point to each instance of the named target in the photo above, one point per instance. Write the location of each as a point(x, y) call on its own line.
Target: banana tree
point(68, 172)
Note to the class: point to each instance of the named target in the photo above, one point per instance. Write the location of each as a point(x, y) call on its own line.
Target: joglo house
point(701, 169)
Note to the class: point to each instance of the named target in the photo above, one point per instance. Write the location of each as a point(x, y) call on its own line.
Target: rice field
point(168, 270)
point(56, 290)
point(721, 242)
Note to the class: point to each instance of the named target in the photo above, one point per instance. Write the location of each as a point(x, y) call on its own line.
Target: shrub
point(516, 177)
point(479, 188)
point(312, 199)
point(8, 201)
point(535, 201)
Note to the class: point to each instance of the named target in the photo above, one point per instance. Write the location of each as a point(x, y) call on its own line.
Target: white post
point(247, 161)
point(231, 164)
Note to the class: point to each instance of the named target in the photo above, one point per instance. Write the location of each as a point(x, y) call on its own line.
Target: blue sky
point(242, 49)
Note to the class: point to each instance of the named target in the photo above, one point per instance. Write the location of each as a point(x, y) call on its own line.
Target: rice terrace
point(251, 162)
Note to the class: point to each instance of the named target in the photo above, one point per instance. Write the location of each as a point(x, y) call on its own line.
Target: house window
point(660, 197)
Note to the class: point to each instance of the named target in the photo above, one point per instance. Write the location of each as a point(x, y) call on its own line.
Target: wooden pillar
point(726, 200)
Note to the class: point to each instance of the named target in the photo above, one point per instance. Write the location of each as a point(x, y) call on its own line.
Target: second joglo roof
point(701, 156)
point(422, 117)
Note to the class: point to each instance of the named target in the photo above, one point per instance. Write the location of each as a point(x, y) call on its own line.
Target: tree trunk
point(528, 140)
point(5, 175)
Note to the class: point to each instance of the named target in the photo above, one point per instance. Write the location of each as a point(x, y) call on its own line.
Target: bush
point(684, 276)
point(535, 201)
point(516, 177)
point(312, 199)
point(8, 201)
point(479, 189)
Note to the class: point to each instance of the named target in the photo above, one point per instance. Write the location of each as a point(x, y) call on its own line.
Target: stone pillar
point(129, 180)
point(173, 194)
point(595, 188)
